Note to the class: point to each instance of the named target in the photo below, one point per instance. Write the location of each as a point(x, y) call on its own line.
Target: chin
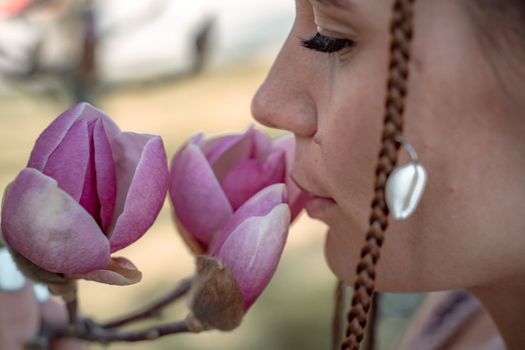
point(342, 252)
point(341, 255)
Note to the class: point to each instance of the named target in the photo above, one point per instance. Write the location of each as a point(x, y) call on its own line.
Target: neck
point(505, 302)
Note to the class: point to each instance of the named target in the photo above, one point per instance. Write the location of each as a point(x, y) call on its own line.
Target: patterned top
point(451, 320)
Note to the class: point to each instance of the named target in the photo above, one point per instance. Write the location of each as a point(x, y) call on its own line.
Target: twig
point(96, 333)
point(72, 309)
point(67, 289)
point(90, 331)
point(153, 309)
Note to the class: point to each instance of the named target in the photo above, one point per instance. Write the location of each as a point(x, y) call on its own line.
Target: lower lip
point(317, 207)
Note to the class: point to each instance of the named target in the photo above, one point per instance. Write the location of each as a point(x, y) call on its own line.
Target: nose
point(284, 101)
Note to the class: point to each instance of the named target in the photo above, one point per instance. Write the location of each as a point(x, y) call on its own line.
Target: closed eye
point(323, 43)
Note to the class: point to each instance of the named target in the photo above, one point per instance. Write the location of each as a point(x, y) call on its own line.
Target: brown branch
point(69, 293)
point(95, 333)
point(90, 331)
point(72, 310)
point(153, 309)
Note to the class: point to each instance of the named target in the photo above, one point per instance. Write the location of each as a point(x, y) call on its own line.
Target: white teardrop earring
point(405, 185)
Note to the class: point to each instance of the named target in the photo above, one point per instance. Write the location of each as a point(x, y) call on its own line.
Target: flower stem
point(68, 291)
point(72, 309)
point(90, 331)
point(95, 333)
point(153, 309)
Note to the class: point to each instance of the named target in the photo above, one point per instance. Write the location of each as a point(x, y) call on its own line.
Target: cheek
point(349, 128)
point(465, 231)
point(350, 135)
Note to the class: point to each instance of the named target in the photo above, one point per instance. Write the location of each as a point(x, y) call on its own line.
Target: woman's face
point(465, 127)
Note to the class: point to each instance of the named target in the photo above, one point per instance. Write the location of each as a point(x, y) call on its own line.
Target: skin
point(464, 117)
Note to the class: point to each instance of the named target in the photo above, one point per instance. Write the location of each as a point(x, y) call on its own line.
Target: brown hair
point(396, 90)
point(509, 13)
point(500, 31)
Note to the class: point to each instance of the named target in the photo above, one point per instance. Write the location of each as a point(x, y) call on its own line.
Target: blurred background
point(174, 68)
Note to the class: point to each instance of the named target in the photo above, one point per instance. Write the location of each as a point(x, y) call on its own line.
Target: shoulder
point(451, 320)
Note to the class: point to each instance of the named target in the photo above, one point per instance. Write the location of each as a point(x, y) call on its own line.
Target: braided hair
point(401, 30)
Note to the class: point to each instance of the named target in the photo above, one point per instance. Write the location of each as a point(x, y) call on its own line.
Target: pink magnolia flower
point(241, 261)
point(88, 191)
point(233, 201)
point(212, 178)
point(252, 242)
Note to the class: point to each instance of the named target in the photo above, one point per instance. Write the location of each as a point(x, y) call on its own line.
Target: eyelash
point(323, 43)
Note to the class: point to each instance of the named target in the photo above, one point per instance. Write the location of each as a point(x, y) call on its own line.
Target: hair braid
point(401, 35)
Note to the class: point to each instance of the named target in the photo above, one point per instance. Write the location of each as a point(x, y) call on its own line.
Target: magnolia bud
point(88, 191)
point(56, 283)
point(215, 299)
point(35, 272)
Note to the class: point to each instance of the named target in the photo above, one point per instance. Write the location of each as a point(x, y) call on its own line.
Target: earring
point(405, 185)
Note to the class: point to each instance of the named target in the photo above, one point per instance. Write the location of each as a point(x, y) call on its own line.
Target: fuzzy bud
point(36, 273)
point(215, 299)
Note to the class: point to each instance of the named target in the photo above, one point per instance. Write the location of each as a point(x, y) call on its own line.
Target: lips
point(316, 205)
point(319, 207)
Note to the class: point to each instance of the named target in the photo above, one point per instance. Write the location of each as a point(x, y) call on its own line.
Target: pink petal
point(215, 147)
point(53, 135)
point(49, 228)
point(105, 175)
point(119, 272)
point(299, 201)
point(69, 161)
point(258, 205)
point(250, 176)
point(196, 247)
point(200, 205)
point(89, 199)
point(262, 144)
point(237, 152)
point(253, 250)
point(297, 197)
point(127, 149)
point(111, 129)
point(145, 195)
